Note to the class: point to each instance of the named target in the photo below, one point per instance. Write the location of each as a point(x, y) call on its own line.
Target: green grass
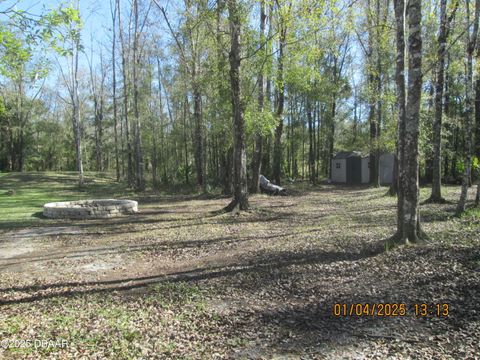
point(22, 195)
point(473, 213)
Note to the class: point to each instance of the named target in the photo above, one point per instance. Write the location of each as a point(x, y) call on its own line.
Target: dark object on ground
point(271, 189)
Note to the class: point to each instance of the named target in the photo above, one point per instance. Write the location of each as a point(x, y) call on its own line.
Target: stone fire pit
point(89, 209)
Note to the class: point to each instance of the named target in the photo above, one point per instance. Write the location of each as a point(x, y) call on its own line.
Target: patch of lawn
point(473, 213)
point(11, 326)
point(22, 195)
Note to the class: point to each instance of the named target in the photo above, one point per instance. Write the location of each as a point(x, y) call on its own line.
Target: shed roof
point(346, 154)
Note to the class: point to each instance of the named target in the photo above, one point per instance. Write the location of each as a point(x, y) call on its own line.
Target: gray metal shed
point(347, 167)
point(386, 164)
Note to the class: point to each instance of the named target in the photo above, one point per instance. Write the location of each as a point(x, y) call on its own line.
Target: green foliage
point(61, 28)
point(326, 64)
point(14, 53)
point(259, 122)
point(476, 163)
point(460, 166)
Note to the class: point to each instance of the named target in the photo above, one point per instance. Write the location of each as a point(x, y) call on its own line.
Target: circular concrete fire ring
point(89, 209)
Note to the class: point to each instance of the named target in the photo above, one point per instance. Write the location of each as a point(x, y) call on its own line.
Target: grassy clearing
point(23, 195)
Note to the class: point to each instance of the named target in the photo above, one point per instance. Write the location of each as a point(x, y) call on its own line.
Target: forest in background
point(151, 99)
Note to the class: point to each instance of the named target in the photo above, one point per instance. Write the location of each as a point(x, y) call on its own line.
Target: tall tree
point(192, 64)
point(408, 216)
point(280, 92)
point(139, 179)
point(72, 40)
point(114, 10)
point(240, 199)
point(97, 87)
point(76, 106)
point(125, 79)
point(477, 126)
point(472, 32)
point(374, 83)
point(444, 30)
point(258, 153)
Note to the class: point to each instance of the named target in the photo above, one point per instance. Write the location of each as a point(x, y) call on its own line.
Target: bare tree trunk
point(101, 106)
point(409, 173)
point(185, 143)
point(311, 150)
point(114, 86)
point(98, 94)
point(125, 99)
point(154, 157)
point(225, 153)
point(257, 154)
point(436, 196)
point(468, 137)
point(199, 136)
point(76, 112)
point(240, 199)
point(139, 179)
point(379, 89)
point(321, 113)
point(371, 79)
point(331, 136)
point(408, 217)
point(20, 148)
point(277, 145)
point(477, 126)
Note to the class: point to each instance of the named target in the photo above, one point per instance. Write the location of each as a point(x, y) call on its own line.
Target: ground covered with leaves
point(178, 280)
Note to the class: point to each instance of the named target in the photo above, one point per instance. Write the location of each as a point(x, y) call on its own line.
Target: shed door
point(354, 170)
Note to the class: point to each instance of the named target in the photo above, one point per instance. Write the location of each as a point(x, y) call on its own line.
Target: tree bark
point(240, 199)
point(125, 99)
point(257, 154)
point(199, 137)
point(409, 174)
point(477, 127)
point(436, 195)
point(98, 94)
point(393, 189)
point(114, 86)
point(408, 217)
point(373, 78)
point(139, 179)
point(185, 143)
point(277, 145)
point(468, 136)
point(311, 150)
point(76, 112)
point(331, 136)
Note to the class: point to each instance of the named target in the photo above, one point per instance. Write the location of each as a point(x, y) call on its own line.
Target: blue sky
point(95, 13)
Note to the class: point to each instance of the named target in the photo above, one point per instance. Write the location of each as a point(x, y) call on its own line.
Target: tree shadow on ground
point(157, 246)
point(257, 264)
point(39, 215)
point(313, 323)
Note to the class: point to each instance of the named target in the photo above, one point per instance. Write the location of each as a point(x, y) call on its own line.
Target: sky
point(95, 13)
